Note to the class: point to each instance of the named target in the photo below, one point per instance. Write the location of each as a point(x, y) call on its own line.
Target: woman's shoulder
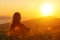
point(25, 27)
point(21, 24)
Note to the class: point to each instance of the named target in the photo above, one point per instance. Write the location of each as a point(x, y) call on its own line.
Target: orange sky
point(28, 8)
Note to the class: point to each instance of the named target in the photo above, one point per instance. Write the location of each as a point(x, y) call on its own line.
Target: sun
point(46, 9)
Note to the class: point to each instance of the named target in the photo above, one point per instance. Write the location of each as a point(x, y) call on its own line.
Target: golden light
point(49, 28)
point(16, 28)
point(47, 9)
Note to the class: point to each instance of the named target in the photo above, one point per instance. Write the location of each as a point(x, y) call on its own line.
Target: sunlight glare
point(46, 9)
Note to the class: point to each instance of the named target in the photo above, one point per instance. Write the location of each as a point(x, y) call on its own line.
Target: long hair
point(16, 18)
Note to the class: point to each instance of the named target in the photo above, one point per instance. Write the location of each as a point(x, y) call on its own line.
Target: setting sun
point(47, 9)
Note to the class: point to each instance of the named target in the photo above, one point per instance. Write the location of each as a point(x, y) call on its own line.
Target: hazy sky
point(27, 8)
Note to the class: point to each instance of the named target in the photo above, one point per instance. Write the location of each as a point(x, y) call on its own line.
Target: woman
point(17, 29)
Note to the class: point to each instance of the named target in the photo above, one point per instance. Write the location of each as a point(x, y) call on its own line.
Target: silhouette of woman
point(15, 21)
point(16, 27)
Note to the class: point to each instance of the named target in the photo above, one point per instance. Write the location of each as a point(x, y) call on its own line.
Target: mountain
point(4, 17)
point(43, 24)
point(38, 25)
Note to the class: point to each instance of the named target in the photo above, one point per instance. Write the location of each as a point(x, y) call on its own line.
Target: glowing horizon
point(28, 8)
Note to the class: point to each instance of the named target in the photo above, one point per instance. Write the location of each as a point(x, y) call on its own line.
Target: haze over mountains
point(4, 17)
point(37, 25)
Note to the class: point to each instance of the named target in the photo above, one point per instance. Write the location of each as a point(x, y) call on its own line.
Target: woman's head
point(16, 17)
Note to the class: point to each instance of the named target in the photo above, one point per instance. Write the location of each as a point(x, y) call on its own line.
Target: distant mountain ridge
point(4, 17)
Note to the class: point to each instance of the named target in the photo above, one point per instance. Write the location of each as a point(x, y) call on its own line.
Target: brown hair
point(16, 18)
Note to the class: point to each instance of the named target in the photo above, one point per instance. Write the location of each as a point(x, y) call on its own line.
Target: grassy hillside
point(47, 28)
